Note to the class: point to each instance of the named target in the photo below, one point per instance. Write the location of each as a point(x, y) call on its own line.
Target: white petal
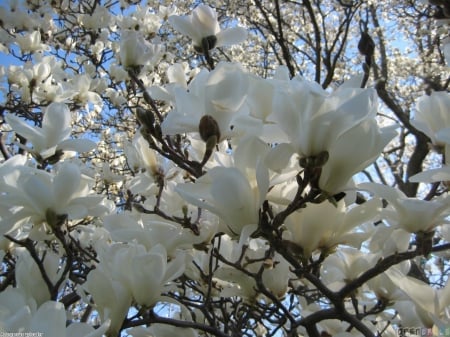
point(56, 123)
point(184, 25)
point(53, 312)
point(431, 176)
point(146, 283)
point(33, 134)
point(176, 267)
point(419, 292)
point(204, 19)
point(39, 193)
point(77, 145)
point(231, 36)
point(186, 117)
point(66, 183)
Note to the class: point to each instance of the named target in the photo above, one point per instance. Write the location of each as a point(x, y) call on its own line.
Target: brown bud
point(145, 117)
point(208, 43)
point(366, 46)
point(208, 127)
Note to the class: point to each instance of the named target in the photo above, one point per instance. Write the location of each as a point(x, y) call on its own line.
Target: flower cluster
point(152, 186)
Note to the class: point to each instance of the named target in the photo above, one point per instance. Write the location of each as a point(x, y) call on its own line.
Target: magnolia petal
point(102, 288)
point(249, 153)
point(146, 283)
point(56, 123)
point(39, 193)
point(419, 292)
point(198, 193)
point(204, 18)
point(75, 211)
point(186, 117)
point(230, 36)
point(431, 176)
point(34, 135)
point(361, 214)
point(278, 157)
point(176, 267)
point(183, 24)
point(225, 90)
point(77, 145)
point(66, 183)
point(443, 135)
point(232, 191)
point(53, 312)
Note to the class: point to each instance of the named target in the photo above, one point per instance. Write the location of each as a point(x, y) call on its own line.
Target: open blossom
point(235, 193)
point(411, 214)
point(313, 119)
point(315, 123)
point(344, 266)
point(324, 226)
point(41, 197)
point(30, 43)
point(54, 134)
point(431, 305)
point(129, 271)
point(204, 30)
point(136, 51)
point(432, 117)
point(219, 94)
point(20, 315)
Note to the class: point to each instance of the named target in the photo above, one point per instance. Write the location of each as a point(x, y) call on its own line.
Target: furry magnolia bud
point(145, 117)
point(208, 43)
point(208, 127)
point(366, 46)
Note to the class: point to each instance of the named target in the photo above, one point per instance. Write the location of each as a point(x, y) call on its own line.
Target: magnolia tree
point(235, 168)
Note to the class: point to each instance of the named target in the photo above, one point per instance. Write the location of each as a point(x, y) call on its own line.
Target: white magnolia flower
point(343, 163)
point(135, 51)
point(38, 197)
point(316, 122)
point(147, 283)
point(35, 287)
point(152, 231)
point(344, 266)
point(133, 273)
point(112, 298)
point(203, 28)
point(226, 192)
point(411, 214)
point(219, 94)
point(20, 315)
point(31, 42)
point(324, 226)
point(235, 194)
point(252, 255)
point(54, 134)
point(313, 119)
point(432, 117)
point(431, 305)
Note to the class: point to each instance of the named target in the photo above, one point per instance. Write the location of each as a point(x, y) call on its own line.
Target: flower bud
point(366, 46)
point(208, 127)
point(208, 43)
point(145, 117)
